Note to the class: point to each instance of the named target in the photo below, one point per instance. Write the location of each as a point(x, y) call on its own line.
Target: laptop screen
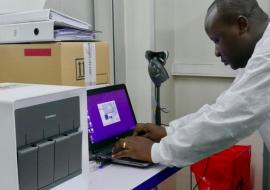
point(109, 113)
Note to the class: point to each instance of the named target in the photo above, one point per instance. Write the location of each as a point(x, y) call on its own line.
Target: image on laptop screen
point(109, 113)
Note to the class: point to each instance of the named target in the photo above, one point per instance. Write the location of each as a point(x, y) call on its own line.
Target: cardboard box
point(59, 63)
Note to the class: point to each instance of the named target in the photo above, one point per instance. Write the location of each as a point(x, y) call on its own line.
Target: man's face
point(230, 43)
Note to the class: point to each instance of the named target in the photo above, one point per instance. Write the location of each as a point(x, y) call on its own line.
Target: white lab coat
point(236, 114)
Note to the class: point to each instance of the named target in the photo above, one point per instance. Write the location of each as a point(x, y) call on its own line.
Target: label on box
point(79, 62)
point(37, 52)
point(90, 63)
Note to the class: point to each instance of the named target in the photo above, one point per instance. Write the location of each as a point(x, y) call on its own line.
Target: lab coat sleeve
point(235, 115)
point(173, 126)
point(186, 119)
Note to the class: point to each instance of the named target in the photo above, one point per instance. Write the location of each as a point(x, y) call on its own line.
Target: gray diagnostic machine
point(41, 136)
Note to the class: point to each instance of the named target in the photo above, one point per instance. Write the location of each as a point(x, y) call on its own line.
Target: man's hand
point(133, 147)
point(150, 131)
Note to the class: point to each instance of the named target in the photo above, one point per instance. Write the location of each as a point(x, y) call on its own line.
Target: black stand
point(266, 167)
point(158, 113)
point(158, 75)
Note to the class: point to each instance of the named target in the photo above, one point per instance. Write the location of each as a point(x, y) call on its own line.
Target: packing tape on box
point(90, 63)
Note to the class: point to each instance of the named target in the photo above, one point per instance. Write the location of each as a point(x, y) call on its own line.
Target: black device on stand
point(158, 75)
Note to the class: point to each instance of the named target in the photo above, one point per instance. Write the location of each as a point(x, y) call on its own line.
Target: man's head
point(235, 26)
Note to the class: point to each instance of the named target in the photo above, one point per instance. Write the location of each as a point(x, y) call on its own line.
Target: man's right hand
point(150, 130)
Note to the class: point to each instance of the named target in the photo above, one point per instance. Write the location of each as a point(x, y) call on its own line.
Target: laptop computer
point(110, 117)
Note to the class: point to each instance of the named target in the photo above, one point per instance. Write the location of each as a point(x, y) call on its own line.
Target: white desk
point(118, 177)
point(125, 178)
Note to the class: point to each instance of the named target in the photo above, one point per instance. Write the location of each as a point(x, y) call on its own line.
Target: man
point(240, 31)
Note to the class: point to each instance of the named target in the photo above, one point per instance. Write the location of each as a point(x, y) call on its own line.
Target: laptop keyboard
point(106, 154)
point(132, 160)
point(105, 151)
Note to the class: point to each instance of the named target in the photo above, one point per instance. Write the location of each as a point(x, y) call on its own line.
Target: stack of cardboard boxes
point(32, 50)
point(58, 63)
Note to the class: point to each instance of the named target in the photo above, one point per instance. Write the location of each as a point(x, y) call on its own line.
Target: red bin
point(226, 170)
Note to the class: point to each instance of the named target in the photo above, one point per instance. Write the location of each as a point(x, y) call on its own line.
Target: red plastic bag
point(226, 170)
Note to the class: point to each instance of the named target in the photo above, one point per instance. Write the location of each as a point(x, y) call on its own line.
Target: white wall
point(15, 5)
point(119, 41)
point(165, 40)
point(139, 30)
point(104, 23)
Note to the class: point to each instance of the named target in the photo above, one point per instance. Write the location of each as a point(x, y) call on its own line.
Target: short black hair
point(231, 9)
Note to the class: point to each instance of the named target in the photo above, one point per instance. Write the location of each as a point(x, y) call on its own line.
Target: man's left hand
point(135, 147)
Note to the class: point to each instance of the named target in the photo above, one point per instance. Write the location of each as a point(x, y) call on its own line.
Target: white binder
point(39, 32)
point(43, 15)
point(27, 32)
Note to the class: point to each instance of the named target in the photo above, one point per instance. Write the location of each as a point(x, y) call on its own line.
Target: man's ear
point(243, 24)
